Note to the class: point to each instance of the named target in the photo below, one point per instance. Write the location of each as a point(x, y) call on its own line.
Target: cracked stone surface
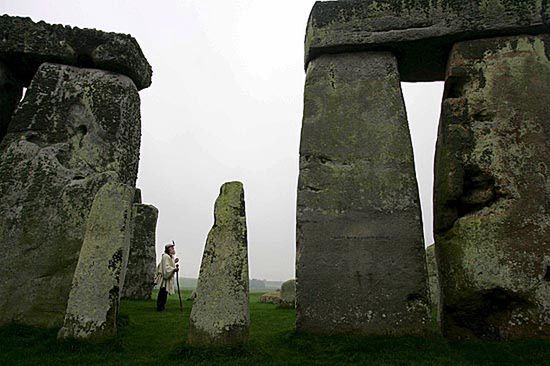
point(220, 314)
point(360, 262)
point(420, 33)
point(140, 273)
point(75, 130)
point(492, 190)
point(94, 299)
point(25, 45)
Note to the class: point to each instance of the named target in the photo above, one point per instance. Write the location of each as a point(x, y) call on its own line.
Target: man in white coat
point(167, 270)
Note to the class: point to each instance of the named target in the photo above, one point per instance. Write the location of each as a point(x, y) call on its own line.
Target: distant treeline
point(255, 284)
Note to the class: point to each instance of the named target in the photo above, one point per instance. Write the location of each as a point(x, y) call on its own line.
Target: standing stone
point(75, 130)
point(10, 94)
point(94, 299)
point(288, 294)
point(492, 190)
point(360, 262)
point(140, 274)
point(220, 311)
point(433, 285)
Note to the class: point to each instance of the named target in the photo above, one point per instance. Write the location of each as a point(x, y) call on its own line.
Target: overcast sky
point(226, 104)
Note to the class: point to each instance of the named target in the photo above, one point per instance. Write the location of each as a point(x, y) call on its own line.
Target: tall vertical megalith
point(492, 189)
point(220, 313)
point(75, 130)
point(140, 274)
point(360, 263)
point(94, 298)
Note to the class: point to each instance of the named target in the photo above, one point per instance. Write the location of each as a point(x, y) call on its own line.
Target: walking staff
point(178, 284)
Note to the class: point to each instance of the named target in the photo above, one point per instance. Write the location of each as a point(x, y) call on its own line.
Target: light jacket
point(165, 273)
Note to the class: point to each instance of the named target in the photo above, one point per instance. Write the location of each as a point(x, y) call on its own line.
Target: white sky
point(226, 104)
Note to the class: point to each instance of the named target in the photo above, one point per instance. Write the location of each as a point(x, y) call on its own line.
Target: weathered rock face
point(288, 294)
point(220, 311)
point(94, 298)
point(10, 94)
point(433, 285)
point(492, 190)
point(140, 274)
point(75, 130)
point(25, 45)
point(421, 33)
point(360, 262)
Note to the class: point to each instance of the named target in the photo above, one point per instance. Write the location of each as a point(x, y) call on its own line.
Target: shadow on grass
point(194, 355)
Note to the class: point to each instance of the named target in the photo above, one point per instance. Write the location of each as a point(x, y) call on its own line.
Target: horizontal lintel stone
point(419, 32)
point(25, 45)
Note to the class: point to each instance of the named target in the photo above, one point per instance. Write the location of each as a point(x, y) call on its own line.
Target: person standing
point(167, 270)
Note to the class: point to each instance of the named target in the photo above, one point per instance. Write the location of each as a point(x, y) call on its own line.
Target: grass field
point(149, 338)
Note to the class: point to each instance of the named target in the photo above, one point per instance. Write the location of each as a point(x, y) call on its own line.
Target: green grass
point(150, 338)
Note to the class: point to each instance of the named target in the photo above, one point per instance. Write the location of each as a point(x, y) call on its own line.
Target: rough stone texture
point(360, 263)
point(220, 311)
point(288, 294)
point(419, 32)
point(25, 45)
point(75, 130)
point(492, 190)
point(94, 298)
point(271, 297)
point(10, 94)
point(140, 274)
point(433, 285)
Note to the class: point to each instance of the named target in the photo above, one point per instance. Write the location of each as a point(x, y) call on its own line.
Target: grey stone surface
point(25, 45)
point(492, 191)
point(220, 313)
point(10, 94)
point(288, 294)
point(419, 32)
point(140, 273)
point(75, 130)
point(96, 289)
point(360, 262)
point(433, 285)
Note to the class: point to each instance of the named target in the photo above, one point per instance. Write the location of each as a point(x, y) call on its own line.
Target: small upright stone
point(288, 294)
point(220, 313)
point(94, 299)
point(140, 275)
